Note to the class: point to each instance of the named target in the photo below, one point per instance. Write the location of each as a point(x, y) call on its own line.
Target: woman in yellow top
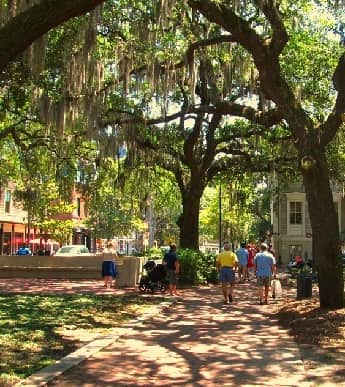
point(226, 263)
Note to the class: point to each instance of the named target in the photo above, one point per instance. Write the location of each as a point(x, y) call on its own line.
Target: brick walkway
point(196, 342)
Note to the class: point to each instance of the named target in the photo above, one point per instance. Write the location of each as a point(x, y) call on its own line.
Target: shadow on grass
point(30, 325)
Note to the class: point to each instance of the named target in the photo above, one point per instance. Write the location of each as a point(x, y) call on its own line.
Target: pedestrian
point(226, 263)
point(109, 269)
point(271, 250)
point(250, 265)
point(172, 263)
point(242, 256)
point(265, 268)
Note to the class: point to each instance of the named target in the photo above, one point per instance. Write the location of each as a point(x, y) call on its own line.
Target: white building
point(292, 233)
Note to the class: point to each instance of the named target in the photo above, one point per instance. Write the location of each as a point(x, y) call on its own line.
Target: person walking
point(172, 263)
point(242, 256)
point(226, 263)
point(250, 265)
point(109, 270)
point(265, 268)
point(271, 250)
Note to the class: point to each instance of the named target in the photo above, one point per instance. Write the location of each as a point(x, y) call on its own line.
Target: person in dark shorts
point(173, 268)
point(265, 267)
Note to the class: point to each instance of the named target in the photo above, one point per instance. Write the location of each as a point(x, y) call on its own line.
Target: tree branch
point(267, 119)
point(266, 59)
point(26, 27)
point(279, 36)
point(240, 29)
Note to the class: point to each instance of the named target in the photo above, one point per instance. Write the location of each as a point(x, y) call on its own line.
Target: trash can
point(304, 286)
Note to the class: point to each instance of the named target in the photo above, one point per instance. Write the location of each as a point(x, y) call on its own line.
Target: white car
point(71, 250)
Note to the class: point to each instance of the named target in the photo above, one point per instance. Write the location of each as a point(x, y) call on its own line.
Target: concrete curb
point(47, 374)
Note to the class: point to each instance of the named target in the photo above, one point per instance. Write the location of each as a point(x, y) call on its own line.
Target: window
point(7, 201)
point(295, 212)
point(121, 245)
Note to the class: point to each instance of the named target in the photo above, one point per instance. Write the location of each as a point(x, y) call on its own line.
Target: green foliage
point(310, 57)
point(113, 209)
point(155, 254)
point(46, 209)
point(196, 267)
point(245, 209)
point(336, 157)
point(166, 204)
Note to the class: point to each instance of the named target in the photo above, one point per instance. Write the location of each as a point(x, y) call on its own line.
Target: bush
point(196, 267)
point(154, 253)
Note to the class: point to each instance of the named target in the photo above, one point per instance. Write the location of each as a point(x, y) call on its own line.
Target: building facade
point(13, 229)
point(291, 228)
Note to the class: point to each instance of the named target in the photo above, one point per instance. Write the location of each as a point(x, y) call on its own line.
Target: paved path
point(196, 342)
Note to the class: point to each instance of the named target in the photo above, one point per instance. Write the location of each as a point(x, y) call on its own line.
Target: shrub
point(196, 267)
point(154, 253)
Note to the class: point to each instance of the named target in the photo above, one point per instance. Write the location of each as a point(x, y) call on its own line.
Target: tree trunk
point(326, 241)
point(189, 221)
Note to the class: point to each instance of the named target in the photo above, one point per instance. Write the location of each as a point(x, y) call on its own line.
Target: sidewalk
point(196, 342)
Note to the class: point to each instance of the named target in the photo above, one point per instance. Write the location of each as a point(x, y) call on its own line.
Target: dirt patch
point(320, 335)
point(311, 325)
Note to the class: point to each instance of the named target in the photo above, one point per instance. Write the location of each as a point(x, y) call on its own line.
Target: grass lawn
point(33, 327)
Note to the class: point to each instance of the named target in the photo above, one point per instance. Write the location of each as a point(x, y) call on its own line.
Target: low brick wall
point(76, 267)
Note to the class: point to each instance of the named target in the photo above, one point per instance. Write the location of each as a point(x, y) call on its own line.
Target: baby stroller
point(155, 278)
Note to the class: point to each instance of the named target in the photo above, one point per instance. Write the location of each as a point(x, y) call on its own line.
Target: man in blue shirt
point(265, 267)
point(242, 256)
point(173, 268)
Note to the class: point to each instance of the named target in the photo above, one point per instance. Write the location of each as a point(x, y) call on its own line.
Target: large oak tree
point(311, 136)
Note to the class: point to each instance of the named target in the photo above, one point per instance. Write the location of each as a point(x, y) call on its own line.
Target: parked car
point(70, 250)
point(23, 250)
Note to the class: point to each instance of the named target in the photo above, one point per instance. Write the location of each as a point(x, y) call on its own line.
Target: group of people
point(246, 259)
point(261, 260)
point(249, 258)
point(170, 260)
